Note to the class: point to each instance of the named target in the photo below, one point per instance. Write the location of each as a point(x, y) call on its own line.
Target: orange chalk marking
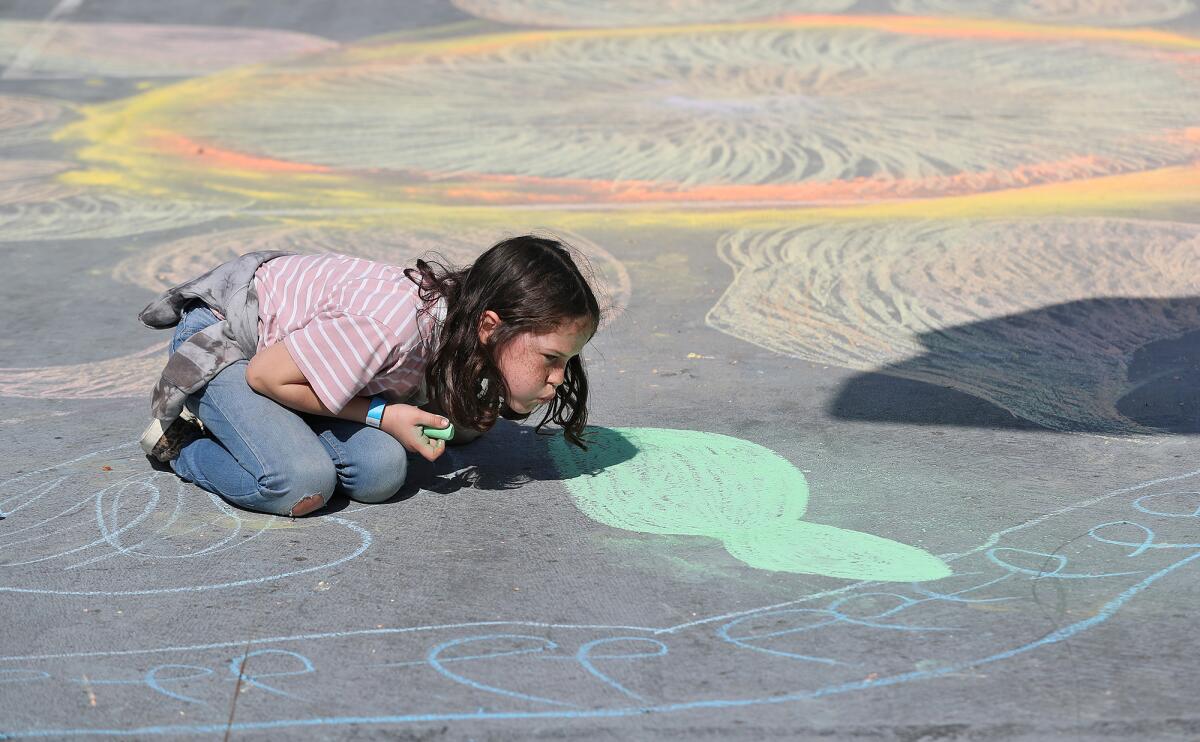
point(962, 28)
point(216, 157)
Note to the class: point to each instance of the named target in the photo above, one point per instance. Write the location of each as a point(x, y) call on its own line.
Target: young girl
point(309, 372)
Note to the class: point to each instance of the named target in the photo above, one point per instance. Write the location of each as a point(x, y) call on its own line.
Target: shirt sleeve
point(338, 353)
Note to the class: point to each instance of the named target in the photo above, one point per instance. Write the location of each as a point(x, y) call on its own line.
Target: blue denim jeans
point(266, 457)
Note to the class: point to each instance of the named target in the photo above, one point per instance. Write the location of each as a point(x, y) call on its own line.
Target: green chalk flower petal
point(679, 481)
point(687, 482)
point(836, 552)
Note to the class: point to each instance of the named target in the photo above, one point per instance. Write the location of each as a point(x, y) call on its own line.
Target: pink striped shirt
point(350, 324)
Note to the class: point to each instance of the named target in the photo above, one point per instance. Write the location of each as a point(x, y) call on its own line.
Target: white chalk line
point(28, 54)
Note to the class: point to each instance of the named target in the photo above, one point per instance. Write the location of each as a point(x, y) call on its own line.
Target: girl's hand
point(403, 422)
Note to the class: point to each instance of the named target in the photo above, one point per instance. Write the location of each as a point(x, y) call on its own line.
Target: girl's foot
point(165, 445)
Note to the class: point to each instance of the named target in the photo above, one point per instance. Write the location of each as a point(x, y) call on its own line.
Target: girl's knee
point(300, 488)
point(306, 505)
point(379, 476)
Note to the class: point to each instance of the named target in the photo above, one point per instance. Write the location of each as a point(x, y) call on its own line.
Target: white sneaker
point(150, 438)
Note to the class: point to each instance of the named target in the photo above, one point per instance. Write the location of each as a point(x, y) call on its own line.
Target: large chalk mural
point(805, 109)
point(995, 196)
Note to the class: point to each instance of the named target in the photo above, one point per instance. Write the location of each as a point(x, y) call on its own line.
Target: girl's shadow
point(507, 457)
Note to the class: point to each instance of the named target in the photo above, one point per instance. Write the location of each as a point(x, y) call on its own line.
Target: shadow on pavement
point(1113, 366)
point(506, 457)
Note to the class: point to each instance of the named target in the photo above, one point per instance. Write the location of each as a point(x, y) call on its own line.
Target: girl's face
point(533, 364)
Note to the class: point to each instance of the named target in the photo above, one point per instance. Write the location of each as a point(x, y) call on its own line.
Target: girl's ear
point(487, 325)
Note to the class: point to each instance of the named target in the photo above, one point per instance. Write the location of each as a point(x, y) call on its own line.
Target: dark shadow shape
point(1167, 392)
point(1163, 376)
point(606, 448)
point(878, 397)
point(510, 456)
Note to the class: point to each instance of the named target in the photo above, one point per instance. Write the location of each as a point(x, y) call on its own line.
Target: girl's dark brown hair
point(533, 284)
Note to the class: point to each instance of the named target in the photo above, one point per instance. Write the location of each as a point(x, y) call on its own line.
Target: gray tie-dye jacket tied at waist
point(228, 289)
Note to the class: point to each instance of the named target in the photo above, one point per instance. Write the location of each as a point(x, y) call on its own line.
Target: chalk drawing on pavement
point(988, 611)
point(693, 483)
point(142, 534)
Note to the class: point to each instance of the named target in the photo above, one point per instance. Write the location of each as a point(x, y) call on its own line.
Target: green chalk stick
point(443, 434)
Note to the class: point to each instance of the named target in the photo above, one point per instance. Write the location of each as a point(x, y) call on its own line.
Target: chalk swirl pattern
point(25, 118)
point(36, 206)
point(72, 213)
point(126, 376)
point(140, 49)
point(864, 112)
point(572, 13)
point(28, 181)
point(1038, 317)
point(1092, 12)
point(693, 483)
point(151, 532)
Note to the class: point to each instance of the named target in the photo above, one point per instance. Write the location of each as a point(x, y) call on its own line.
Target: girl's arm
point(273, 373)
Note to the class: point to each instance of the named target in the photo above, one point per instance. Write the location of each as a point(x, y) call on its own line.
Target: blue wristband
point(375, 412)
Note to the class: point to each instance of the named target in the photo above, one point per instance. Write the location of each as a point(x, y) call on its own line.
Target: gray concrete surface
point(933, 261)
